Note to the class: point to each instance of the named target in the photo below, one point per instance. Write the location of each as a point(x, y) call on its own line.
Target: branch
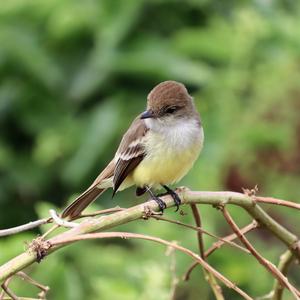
point(221, 241)
point(227, 239)
point(275, 201)
point(126, 235)
point(61, 222)
point(267, 264)
point(109, 221)
point(200, 229)
point(217, 290)
point(25, 227)
point(284, 263)
point(6, 290)
point(250, 205)
point(38, 223)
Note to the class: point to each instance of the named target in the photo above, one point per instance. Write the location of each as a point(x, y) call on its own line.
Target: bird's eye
point(171, 109)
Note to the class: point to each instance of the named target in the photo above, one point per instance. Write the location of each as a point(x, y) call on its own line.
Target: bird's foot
point(162, 205)
point(174, 195)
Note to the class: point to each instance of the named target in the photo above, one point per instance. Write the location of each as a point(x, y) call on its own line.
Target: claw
point(174, 195)
point(177, 200)
point(162, 205)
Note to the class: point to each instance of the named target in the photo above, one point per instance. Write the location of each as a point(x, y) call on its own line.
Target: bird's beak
point(147, 114)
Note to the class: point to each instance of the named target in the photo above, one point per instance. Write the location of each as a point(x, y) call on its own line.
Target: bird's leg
point(174, 195)
point(162, 205)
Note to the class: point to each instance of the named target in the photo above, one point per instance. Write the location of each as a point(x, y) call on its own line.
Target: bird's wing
point(130, 152)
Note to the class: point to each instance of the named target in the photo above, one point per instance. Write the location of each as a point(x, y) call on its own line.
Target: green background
point(73, 74)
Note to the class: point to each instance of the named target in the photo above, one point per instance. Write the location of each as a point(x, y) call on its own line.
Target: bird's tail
point(81, 202)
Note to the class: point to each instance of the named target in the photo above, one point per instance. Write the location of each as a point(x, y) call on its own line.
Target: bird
point(158, 149)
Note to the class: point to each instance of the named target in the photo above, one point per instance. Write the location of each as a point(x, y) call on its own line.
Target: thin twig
point(43, 288)
point(101, 223)
point(197, 218)
point(187, 275)
point(53, 228)
point(250, 205)
point(60, 222)
point(222, 240)
point(102, 212)
point(4, 286)
point(25, 227)
point(217, 245)
point(23, 276)
point(267, 264)
point(196, 228)
point(7, 290)
point(126, 235)
point(63, 223)
point(284, 263)
point(21, 298)
point(210, 278)
point(275, 201)
point(37, 223)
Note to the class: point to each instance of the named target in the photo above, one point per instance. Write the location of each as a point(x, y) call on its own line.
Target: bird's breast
point(169, 155)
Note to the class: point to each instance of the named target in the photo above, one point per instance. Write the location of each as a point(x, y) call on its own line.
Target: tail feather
point(81, 202)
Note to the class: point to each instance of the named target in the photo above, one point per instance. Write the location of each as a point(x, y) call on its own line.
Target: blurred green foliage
point(73, 76)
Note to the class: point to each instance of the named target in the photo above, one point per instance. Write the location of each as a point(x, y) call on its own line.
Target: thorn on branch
point(148, 213)
point(250, 192)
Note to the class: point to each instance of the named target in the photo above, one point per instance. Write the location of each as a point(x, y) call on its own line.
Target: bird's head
point(169, 103)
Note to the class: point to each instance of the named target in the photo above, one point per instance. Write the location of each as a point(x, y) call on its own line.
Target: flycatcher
point(158, 149)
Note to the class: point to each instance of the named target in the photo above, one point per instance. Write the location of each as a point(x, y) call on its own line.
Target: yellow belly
point(166, 165)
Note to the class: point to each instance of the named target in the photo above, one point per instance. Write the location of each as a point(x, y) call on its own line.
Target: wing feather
point(130, 153)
